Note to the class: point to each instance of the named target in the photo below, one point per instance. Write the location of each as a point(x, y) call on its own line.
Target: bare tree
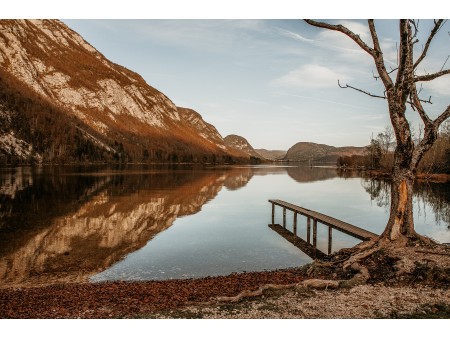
point(386, 139)
point(400, 92)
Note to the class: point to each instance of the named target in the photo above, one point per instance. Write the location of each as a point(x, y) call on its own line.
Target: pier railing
point(314, 218)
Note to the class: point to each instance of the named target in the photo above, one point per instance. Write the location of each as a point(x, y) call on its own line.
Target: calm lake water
point(77, 224)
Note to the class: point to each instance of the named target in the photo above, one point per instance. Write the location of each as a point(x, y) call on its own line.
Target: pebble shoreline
point(194, 298)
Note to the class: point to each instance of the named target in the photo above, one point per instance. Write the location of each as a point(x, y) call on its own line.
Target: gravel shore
point(365, 301)
point(196, 298)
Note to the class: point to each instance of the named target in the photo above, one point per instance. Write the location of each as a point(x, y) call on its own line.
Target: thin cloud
point(367, 117)
point(210, 35)
point(253, 101)
point(358, 28)
point(310, 76)
point(439, 86)
point(292, 35)
point(326, 39)
point(389, 48)
point(327, 101)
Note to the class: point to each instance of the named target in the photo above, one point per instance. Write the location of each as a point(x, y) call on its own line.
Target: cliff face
point(308, 151)
point(241, 144)
point(48, 70)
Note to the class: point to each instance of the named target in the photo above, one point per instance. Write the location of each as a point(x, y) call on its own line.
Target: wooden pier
point(316, 217)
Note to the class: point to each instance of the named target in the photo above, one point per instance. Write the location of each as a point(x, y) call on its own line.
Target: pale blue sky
point(271, 81)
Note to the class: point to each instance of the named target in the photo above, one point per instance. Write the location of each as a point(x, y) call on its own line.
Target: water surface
point(76, 224)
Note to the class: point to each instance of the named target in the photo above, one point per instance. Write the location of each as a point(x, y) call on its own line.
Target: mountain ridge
point(62, 101)
point(109, 107)
point(273, 155)
point(310, 151)
point(241, 144)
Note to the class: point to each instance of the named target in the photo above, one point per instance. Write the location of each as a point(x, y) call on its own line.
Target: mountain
point(242, 145)
point(271, 154)
point(308, 151)
point(62, 101)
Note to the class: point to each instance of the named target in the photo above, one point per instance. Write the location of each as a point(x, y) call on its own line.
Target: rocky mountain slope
point(308, 151)
point(61, 100)
point(240, 144)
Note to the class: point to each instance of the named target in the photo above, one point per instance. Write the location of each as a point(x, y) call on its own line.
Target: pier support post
point(314, 233)
point(330, 235)
point(284, 217)
point(273, 213)
point(295, 223)
point(308, 231)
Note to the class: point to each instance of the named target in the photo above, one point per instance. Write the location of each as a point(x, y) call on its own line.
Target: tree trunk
point(401, 222)
point(400, 226)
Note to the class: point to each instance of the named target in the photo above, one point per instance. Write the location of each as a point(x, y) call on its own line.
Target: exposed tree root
point(360, 278)
point(363, 245)
point(398, 263)
point(259, 292)
point(361, 255)
point(428, 241)
point(434, 253)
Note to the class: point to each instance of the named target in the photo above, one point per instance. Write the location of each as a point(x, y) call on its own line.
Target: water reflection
point(425, 195)
point(303, 244)
point(312, 174)
point(75, 224)
point(63, 228)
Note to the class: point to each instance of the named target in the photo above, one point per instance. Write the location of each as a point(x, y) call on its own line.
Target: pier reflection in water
point(78, 224)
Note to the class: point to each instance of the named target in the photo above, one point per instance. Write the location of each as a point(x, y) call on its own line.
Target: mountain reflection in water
point(63, 228)
point(68, 224)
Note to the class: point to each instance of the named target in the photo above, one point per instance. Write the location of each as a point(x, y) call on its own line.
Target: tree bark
point(400, 226)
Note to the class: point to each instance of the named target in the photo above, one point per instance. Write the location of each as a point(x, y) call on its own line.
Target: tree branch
point(344, 30)
point(435, 29)
point(441, 118)
point(431, 132)
point(362, 91)
point(448, 56)
point(430, 77)
point(403, 53)
point(416, 27)
point(378, 57)
point(416, 102)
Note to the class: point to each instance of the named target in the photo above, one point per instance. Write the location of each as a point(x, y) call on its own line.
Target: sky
point(272, 81)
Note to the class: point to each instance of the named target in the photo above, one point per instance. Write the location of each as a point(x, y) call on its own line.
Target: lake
point(91, 224)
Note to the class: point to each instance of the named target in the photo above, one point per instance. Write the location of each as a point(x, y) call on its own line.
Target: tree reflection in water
point(435, 195)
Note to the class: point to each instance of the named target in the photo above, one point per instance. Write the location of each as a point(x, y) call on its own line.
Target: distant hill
point(241, 144)
point(308, 151)
point(271, 154)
